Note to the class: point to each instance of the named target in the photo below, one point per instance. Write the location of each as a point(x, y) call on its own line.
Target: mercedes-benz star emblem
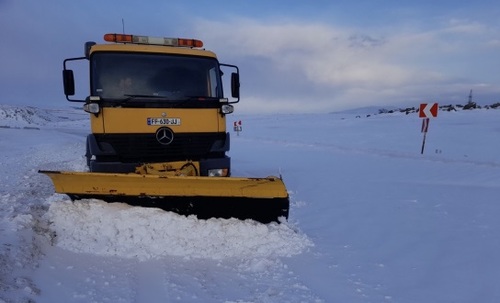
point(164, 135)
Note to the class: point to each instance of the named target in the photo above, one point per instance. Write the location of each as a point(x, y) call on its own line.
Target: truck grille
point(145, 147)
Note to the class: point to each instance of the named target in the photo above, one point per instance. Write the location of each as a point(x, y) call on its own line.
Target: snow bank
point(32, 117)
point(11, 116)
point(146, 233)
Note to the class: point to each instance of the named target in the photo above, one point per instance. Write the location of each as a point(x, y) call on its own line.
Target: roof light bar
point(122, 38)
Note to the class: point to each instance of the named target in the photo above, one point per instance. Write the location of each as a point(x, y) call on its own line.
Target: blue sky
point(294, 56)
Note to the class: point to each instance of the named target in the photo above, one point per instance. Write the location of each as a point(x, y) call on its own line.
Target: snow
point(105, 230)
point(371, 219)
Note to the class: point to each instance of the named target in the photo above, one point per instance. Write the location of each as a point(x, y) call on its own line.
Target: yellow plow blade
point(261, 199)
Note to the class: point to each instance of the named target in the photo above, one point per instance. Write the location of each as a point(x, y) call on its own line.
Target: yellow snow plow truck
point(158, 119)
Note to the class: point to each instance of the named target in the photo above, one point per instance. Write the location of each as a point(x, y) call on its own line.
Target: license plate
point(164, 121)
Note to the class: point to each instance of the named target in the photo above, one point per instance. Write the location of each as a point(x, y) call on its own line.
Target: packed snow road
point(94, 252)
point(371, 219)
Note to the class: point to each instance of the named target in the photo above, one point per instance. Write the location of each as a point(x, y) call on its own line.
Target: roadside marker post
point(427, 111)
point(425, 127)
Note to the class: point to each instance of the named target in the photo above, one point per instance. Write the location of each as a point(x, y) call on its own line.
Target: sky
point(294, 56)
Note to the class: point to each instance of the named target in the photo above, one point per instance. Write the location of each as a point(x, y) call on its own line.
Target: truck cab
point(155, 100)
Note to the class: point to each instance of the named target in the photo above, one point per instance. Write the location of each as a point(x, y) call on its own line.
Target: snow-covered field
point(371, 219)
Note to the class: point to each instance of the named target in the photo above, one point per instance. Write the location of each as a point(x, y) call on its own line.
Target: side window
point(213, 83)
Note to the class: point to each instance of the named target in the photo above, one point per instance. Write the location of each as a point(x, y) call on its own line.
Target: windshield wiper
point(144, 96)
point(199, 98)
point(132, 97)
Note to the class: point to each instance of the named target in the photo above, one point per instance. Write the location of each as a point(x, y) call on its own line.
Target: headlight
point(92, 108)
point(218, 172)
point(227, 108)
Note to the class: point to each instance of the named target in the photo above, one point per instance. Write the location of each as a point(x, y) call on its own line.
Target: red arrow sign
point(428, 110)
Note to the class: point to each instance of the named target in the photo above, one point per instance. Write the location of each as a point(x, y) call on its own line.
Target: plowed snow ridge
point(144, 233)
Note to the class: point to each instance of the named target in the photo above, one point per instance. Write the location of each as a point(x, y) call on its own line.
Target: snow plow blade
point(261, 199)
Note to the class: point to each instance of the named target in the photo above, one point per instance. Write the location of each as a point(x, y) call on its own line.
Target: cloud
point(321, 54)
point(462, 26)
point(346, 65)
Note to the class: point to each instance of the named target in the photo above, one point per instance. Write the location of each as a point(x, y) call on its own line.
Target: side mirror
point(235, 85)
point(68, 82)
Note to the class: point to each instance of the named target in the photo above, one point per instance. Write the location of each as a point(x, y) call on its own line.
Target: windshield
point(172, 77)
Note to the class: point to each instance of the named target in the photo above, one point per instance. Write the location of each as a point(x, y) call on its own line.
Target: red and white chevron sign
point(428, 110)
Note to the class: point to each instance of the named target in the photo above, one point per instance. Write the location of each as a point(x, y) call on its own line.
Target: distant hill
point(376, 110)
